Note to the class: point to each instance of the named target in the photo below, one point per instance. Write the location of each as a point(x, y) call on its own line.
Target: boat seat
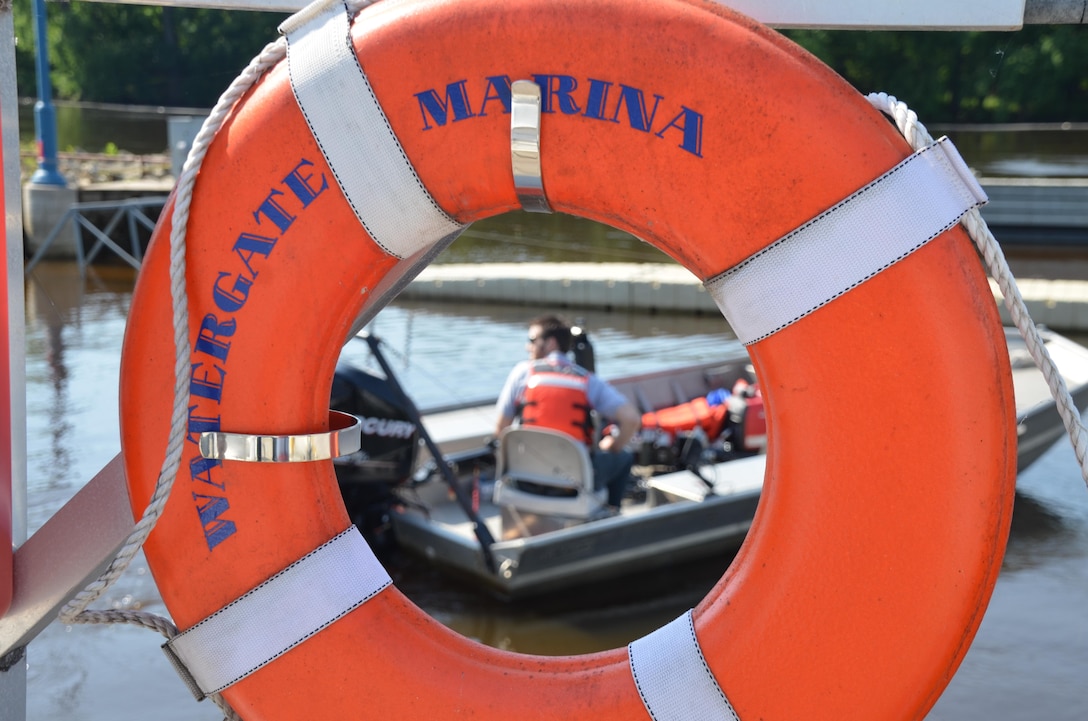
point(545, 472)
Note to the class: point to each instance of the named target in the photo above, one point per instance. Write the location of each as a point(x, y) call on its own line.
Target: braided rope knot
point(994, 259)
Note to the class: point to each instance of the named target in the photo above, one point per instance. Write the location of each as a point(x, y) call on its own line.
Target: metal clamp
point(344, 439)
point(525, 146)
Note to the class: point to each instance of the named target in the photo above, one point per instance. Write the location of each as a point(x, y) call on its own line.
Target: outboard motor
point(389, 447)
point(582, 348)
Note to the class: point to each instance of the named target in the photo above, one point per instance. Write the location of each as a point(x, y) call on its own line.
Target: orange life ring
point(882, 524)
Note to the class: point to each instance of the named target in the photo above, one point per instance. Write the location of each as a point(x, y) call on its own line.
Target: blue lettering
point(498, 88)
point(274, 212)
point(561, 87)
point(248, 244)
point(563, 94)
point(209, 337)
point(207, 381)
point(598, 96)
point(200, 469)
point(636, 108)
point(209, 509)
point(301, 186)
point(204, 386)
point(438, 108)
point(231, 301)
point(690, 123)
point(200, 424)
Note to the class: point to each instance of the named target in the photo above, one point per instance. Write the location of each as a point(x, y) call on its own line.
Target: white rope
point(917, 135)
point(75, 611)
point(72, 612)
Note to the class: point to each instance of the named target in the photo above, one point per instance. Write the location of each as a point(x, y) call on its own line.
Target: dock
point(669, 288)
point(1032, 211)
point(1031, 217)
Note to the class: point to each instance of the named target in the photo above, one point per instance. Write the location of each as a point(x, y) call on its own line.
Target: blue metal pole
point(45, 119)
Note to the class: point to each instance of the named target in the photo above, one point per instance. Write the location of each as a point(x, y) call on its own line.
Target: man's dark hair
point(554, 326)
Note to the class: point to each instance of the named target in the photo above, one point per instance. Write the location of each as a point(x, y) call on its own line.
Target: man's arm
point(506, 405)
point(629, 421)
point(502, 424)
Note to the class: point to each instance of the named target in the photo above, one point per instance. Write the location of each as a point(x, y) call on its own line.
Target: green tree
point(136, 54)
point(24, 48)
point(1039, 73)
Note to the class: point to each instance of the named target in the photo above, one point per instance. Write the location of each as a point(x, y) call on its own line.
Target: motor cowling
point(389, 445)
point(389, 439)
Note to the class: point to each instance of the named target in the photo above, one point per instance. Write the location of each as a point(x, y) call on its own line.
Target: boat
point(696, 495)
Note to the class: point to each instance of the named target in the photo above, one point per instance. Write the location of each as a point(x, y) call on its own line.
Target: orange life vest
point(686, 416)
point(556, 397)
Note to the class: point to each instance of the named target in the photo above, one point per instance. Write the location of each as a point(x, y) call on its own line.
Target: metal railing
point(130, 212)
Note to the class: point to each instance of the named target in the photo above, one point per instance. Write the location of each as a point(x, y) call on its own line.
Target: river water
point(1027, 662)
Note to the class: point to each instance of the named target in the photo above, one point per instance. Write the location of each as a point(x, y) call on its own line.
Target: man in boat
point(550, 391)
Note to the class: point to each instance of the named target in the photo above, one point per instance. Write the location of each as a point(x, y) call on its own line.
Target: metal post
point(8, 510)
point(13, 391)
point(45, 118)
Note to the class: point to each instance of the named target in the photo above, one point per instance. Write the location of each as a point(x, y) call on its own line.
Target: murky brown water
point(1028, 661)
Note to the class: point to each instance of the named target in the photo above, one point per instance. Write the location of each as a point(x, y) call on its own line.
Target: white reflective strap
point(673, 678)
point(355, 137)
point(557, 380)
point(278, 615)
point(877, 226)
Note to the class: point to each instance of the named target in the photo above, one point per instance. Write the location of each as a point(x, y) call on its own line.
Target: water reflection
point(73, 330)
point(59, 425)
point(1039, 533)
point(92, 128)
point(594, 617)
point(1059, 150)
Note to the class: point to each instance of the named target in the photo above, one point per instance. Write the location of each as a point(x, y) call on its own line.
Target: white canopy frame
point(842, 14)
